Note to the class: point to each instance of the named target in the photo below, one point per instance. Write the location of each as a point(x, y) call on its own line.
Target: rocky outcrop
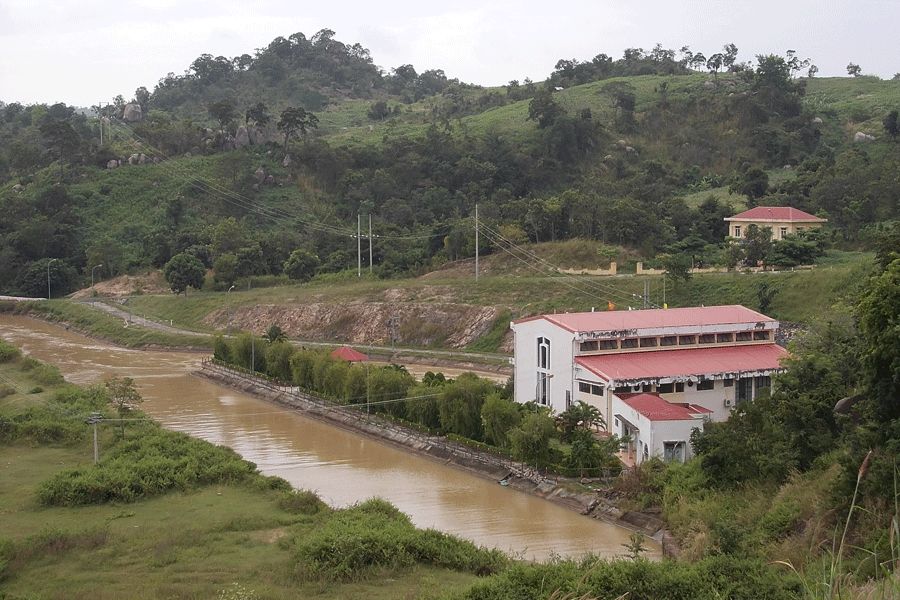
point(407, 323)
point(241, 138)
point(132, 113)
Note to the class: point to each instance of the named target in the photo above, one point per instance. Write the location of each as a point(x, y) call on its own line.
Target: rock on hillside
point(410, 323)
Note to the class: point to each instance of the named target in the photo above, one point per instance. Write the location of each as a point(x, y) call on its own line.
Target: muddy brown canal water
point(341, 467)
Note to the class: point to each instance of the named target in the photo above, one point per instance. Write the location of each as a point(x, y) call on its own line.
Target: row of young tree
point(469, 408)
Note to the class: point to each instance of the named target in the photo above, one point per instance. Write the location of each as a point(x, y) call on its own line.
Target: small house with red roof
point(782, 220)
point(703, 360)
point(349, 354)
point(655, 427)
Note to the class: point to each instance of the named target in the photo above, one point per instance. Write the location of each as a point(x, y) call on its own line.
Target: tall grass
point(835, 580)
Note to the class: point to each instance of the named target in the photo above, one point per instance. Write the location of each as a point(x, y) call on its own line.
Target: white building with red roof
point(782, 220)
point(705, 358)
point(656, 427)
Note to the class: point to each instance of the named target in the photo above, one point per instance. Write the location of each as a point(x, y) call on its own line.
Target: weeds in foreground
point(834, 582)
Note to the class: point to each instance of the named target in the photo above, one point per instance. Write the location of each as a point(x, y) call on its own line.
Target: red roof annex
point(620, 320)
point(776, 213)
point(349, 354)
point(656, 409)
point(683, 363)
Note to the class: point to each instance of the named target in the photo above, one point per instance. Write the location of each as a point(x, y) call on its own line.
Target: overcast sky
point(82, 52)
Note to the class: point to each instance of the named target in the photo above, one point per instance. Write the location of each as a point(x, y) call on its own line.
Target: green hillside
point(644, 153)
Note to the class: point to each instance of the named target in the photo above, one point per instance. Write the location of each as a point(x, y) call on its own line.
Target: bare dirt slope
point(435, 321)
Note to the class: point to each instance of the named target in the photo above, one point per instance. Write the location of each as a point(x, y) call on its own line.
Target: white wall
point(561, 362)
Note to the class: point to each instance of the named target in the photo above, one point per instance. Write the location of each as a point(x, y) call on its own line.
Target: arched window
point(542, 393)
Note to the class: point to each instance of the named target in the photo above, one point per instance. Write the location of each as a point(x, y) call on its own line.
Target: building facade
point(699, 361)
point(782, 220)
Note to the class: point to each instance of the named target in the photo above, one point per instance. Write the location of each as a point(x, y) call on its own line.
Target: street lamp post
point(228, 308)
point(48, 277)
point(367, 377)
point(92, 281)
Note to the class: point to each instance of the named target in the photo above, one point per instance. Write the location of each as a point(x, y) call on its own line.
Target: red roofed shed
point(349, 354)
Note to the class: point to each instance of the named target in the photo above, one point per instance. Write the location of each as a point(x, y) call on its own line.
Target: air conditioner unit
point(729, 402)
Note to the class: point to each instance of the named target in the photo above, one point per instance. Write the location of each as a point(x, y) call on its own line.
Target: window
point(630, 343)
point(646, 388)
point(686, 340)
point(706, 384)
point(542, 393)
point(729, 382)
point(589, 346)
point(679, 386)
point(724, 337)
point(543, 353)
point(761, 335)
point(648, 342)
point(624, 389)
point(668, 340)
point(590, 388)
point(762, 382)
point(744, 389)
point(783, 232)
point(665, 388)
point(737, 231)
point(744, 336)
point(707, 338)
point(799, 229)
point(609, 344)
point(673, 451)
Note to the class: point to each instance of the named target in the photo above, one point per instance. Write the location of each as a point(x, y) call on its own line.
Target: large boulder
point(132, 113)
point(257, 137)
point(863, 137)
point(241, 138)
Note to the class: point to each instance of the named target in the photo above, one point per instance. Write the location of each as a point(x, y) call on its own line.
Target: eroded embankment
point(481, 464)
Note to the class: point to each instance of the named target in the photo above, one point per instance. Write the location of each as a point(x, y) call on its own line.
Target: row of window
point(783, 231)
point(677, 340)
point(672, 387)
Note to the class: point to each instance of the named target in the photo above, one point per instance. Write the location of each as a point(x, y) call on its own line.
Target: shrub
point(9, 353)
point(373, 537)
point(144, 466)
point(302, 502)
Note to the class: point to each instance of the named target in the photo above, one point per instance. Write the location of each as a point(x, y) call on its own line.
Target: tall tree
point(62, 141)
point(296, 119)
point(224, 112)
point(543, 109)
point(123, 395)
point(257, 114)
point(184, 270)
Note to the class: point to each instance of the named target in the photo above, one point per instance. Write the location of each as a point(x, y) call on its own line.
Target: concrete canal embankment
point(482, 464)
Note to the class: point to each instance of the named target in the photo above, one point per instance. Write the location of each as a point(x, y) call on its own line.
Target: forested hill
point(264, 164)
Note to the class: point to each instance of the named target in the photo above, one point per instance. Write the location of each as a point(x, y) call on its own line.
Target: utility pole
point(476, 243)
point(93, 420)
point(358, 249)
point(370, 243)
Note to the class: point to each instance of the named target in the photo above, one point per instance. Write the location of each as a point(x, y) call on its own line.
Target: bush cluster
point(152, 464)
point(374, 537)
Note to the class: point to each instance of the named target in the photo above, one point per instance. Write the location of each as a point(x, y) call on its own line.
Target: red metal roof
point(349, 354)
point(776, 213)
point(675, 363)
point(640, 319)
point(656, 409)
